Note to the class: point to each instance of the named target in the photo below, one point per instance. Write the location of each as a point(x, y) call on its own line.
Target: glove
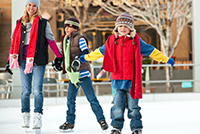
point(57, 64)
point(171, 61)
point(82, 59)
point(76, 63)
point(7, 68)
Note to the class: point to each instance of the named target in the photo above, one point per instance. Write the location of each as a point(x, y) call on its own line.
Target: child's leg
point(134, 113)
point(71, 98)
point(86, 85)
point(117, 110)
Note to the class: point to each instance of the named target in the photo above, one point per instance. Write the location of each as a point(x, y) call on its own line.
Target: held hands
point(7, 68)
point(171, 62)
point(82, 58)
point(57, 64)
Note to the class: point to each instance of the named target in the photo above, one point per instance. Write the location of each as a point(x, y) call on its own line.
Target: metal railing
point(49, 71)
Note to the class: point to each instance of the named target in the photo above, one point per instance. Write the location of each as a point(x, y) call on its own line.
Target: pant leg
point(118, 108)
point(26, 81)
point(87, 87)
point(134, 113)
point(71, 103)
point(38, 76)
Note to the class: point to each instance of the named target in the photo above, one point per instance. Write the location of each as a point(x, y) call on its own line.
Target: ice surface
point(168, 117)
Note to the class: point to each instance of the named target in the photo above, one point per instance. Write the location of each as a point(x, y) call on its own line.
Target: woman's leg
point(38, 75)
point(26, 81)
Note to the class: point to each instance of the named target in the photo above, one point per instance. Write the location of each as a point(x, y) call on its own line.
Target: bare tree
point(80, 10)
point(157, 14)
point(160, 15)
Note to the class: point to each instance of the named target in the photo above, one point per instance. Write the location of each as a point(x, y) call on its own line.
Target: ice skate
point(137, 131)
point(37, 123)
point(25, 120)
point(103, 125)
point(115, 131)
point(66, 127)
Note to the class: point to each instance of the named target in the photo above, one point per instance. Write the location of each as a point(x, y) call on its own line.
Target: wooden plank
point(6, 2)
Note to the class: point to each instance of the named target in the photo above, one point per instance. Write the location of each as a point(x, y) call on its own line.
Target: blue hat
point(37, 2)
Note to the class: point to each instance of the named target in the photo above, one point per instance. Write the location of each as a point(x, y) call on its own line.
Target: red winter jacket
point(123, 60)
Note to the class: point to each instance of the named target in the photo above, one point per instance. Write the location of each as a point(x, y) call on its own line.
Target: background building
point(96, 36)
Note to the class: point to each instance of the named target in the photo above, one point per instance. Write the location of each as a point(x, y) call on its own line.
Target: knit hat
point(37, 2)
point(125, 19)
point(73, 21)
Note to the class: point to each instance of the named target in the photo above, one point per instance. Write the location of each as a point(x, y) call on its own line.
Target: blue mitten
point(171, 61)
point(82, 59)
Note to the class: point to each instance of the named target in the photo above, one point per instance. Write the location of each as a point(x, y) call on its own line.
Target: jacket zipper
point(122, 59)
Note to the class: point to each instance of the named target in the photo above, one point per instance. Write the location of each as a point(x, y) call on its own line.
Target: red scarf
point(14, 51)
point(109, 64)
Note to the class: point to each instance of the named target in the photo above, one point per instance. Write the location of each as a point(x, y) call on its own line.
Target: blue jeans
point(86, 85)
point(117, 110)
point(26, 81)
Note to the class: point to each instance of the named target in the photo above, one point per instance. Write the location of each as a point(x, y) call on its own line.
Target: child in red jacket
point(122, 57)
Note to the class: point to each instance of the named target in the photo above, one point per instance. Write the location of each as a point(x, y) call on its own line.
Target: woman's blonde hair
point(25, 18)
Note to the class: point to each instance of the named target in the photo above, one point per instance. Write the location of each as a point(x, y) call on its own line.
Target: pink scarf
point(14, 51)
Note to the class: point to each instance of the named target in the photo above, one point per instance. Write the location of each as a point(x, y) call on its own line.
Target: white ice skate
point(25, 120)
point(37, 123)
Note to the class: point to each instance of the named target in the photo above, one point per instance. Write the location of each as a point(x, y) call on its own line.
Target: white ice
point(159, 117)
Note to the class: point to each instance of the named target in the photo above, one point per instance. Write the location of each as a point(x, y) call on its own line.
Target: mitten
point(171, 61)
point(29, 66)
point(76, 63)
point(82, 58)
point(7, 68)
point(57, 64)
point(14, 61)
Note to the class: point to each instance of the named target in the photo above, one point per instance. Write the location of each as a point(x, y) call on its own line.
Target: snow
point(162, 117)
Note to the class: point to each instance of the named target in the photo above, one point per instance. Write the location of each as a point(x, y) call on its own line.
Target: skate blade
point(25, 129)
point(64, 131)
point(37, 131)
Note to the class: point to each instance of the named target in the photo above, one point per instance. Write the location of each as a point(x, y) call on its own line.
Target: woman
point(29, 52)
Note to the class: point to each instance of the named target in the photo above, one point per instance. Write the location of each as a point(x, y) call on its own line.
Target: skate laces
point(137, 131)
point(25, 119)
point(103, 123)
point(115, 129)
point(37, 119)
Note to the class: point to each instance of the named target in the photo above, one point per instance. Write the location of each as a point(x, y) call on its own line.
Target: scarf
point(14, 51)
point(73, 76)
point(109, 64)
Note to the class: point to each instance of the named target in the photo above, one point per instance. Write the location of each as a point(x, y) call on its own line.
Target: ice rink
point(170, 116)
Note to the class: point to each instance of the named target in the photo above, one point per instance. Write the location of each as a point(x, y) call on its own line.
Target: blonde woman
point(29, 52)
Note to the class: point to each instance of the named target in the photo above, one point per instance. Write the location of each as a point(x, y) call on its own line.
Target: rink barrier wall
point(107, 99)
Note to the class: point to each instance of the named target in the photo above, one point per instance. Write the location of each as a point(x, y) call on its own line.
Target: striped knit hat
point(73, 21)
point(125, 19)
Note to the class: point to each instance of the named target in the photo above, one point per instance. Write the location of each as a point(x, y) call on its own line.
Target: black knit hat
point(73, 21)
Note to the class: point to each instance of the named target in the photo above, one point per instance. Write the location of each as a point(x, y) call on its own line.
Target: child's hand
point(7, 68)
point(82, 58)
point(171, 61)
point(57, 64)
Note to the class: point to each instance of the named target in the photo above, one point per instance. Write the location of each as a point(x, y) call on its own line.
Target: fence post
point(147, 78)
point(16, 80)
point(196, 41)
